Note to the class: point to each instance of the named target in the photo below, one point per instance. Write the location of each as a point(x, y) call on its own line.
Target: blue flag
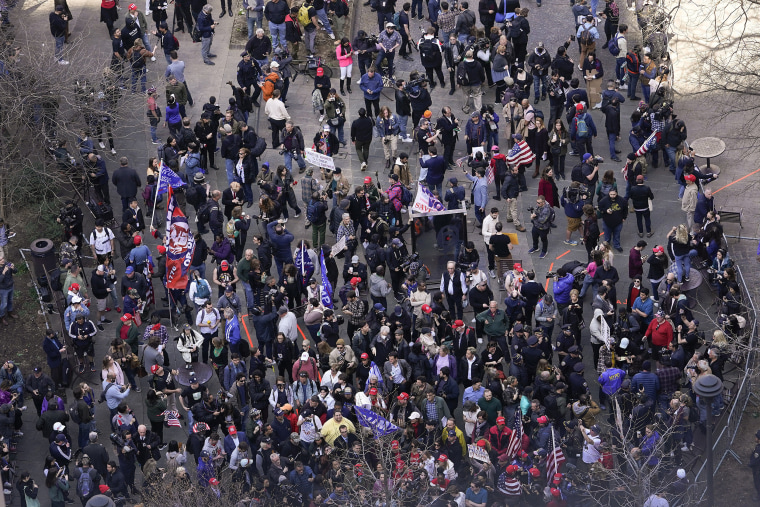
point(304, 264)
point(379, 425)
point(325, 290)
point(167, 177)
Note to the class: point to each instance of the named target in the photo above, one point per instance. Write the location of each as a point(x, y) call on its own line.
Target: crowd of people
point(481, 411)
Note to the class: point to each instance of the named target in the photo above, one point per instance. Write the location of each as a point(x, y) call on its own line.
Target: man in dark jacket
point(248, 73)
point(447, 124)
point(58, 27)
point(231, 144)
point(97, 452)
point(147, 444)
point(316, 213)
point(470, 76)
point(518, 35)
point(291, 139)
point(38, 384)
point(539, 62)
point(206, 27)
point(614, 211)
point(403, 108)
point(281, 240)
point(563, 64)
point(127, 181)
point(361, 135)
point(612, 125)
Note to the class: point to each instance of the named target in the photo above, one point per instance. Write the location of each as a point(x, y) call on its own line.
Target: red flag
point(180, 245)
point(554, 460)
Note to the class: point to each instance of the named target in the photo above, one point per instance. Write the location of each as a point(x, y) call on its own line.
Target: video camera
point(117, 440)
point(372, 38)
point(479, 45)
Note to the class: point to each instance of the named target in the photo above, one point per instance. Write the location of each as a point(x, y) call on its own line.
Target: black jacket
point(126, 181)
point(475, 73)
point(403, 103)
point(361, 129)
point(57, 25)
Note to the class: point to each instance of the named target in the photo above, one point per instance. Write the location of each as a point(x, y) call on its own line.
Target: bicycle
point(309, 67)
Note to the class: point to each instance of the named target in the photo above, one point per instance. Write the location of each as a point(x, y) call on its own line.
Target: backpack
point(311, 212)
point(426, 48)
point(590, 229)
point(406, 196)
point(74, 413)
point(577, 173)
point(192, 194)
point(204, 215)
point(202, 290)
point(259, 147)
point(581, 128)
point(586, 38)
point(463, 78)
point(552, 215)
point(500, 167)
point(396, 20)
point(373, 259)
point(195, 34)
point(231, 230)
point(176, 42)
point(571, 195)
point(537, 113)
point(147, 193)
point(303, 15)
point(54, 280)
point(613, 46)
point(84, 483)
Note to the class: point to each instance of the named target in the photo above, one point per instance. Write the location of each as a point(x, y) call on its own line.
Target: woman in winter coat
point(246, 172)
point(189, 344)
point(547, 187)
point(284, 180)
point(540, 144)
point(221, 249)
point(557, 141)
point(173, 116)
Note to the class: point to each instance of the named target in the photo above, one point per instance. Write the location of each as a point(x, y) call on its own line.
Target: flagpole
point(303, 265)
point(554, 446)
point(155, 190)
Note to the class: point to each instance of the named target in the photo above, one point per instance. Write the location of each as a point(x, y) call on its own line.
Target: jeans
point(645, 90)
point(83, 438)
point(462, 37)
point(542, 82)
point(289, 160)
point(612, 232)
point(418, 5)
point(612, 137)
point(633, 80)
point(403, 120)
point(479, 214)
point(338, 131)
point(322, 15)
point(254, 19)
point(683, 267)
point(620, 68)
point(439, 186)
point(309, 37)
point(382, 54)
point(146, 42)
point(200, 269)
point(59, 47)
point(140, 74)
point(541, 234)
point(588, 281)
point(278, 31)
point(644, 215)
point(559, 165)
point(230, 167)
point(671, 151)
point(205, 48)
point(153, 131)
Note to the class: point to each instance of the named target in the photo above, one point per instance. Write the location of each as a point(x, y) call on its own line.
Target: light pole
point(708, 387)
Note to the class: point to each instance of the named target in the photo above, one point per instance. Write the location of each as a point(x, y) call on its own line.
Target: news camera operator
point(71, 218)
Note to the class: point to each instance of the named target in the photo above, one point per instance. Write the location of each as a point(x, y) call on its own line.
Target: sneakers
point(331, 35)
point(102, 145)
point(685, 448)
point(297, 215)
point(285, 220)
point(492, 273)
point(156, 142)
point(321, 117)
point(407, 140)
point(118, 309)
point(152, 58)
point(63, 62)
point(598, 106)
point(542, 255)
point(162, 447)
point(100, 327)
point(571, 243)
point(533, 250)
point(520, 228)
point(113, 151)
point(137, 389)
point(364, 166)
point(7, 491)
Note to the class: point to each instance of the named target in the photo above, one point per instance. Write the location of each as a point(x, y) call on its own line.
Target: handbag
point(501, 17)
point(335, 121)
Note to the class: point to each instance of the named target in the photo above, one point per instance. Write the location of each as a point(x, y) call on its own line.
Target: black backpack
point(54, 280)
point(74, 413)
point(428, 52)
point(500, 167)
point(406, 196)
point(462, 77)
point(204, 215)
point(192, 195)
point(311, 211)
point(259, 147)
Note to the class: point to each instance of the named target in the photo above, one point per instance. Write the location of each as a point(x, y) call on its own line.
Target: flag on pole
point(426, 202)
point(325, 290)
point(555, 460)
point(180, 245)
point(520, 154)
point(650, 141)
point(379, 425)
point(303, 263)
point(515, 440)
point(167, 178)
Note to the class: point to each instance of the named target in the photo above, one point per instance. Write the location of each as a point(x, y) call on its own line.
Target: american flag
point(651, 141)
point(555, 460)
point(490, 173)
point(520, 154)
point(172, 418)
point(515, 441)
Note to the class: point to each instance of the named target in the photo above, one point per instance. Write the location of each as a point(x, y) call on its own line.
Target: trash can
point(43, 256)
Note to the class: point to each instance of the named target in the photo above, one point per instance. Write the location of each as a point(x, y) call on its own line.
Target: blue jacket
point(374, 84)
point(280, 243)
point(479, 190)
point(562, 288)
point(301, 481)
point(436, 167)
point(263, 326)
point(572, 210)
point(204, 25)
point(232, 331)
point(52, 349)
point(703, 206)
point(611, 380)
point(231, 371)
point(648, 381)
point(391, 125)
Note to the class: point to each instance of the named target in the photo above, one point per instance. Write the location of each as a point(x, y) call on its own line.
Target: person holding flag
point(521, 156)
point(180, 247)
point(326, 289)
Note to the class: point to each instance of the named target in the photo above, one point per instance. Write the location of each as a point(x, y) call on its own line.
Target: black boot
point(342, 92)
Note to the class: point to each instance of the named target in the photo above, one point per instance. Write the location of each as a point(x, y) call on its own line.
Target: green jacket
point(496, 325)
point(243, 269)
point(156, 409)
point(132, 337)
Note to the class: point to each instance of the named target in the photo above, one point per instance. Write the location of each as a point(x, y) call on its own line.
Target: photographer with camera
point(364, 46)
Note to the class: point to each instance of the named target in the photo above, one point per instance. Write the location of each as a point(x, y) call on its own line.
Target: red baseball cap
point(690, 177)
point(365, 355)
point(426, 308)
point(482, 443)
point(501, 420)
point(534, 472)
point(126, 317)
point(458, 323)
point(74, 286)
point(132, 7)
point(523, 454)
point(556, 493)
point(511, 469)
point(658, 249)
point(517, 267)
point(373, 390)
point(367, 180)
point(356, 280)
point(557, 478)
point(320, 71)
point(394, 444)
point(154, 368)
point(232, 430)
point(443, 457)
point(137, 240)
point(402, 396)
point(213, 481)
point(542, 420)
point(161, 249)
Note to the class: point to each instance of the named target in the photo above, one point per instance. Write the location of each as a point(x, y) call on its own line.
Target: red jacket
point(499, 439)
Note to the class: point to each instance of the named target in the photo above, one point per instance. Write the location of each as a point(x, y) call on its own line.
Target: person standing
point(542, 222)
point(641, 195)
point(58, 24)
point(206, 27)
point(689, 200)
point(275, 11)
point(614, 211)
point(127, 181)
point(361, 136)
point(278, 116)
point(319, 7)
point(371, 84)
point(177, 69)
point(470, 78)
